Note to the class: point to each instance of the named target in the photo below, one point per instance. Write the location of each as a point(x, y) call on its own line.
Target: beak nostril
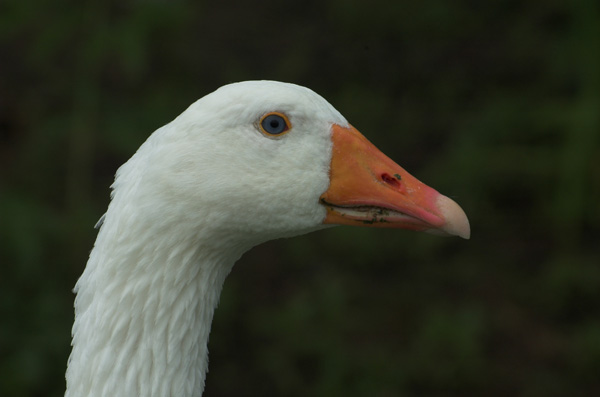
point(393, 181)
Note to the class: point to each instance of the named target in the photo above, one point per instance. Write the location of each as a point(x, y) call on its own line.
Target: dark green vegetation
point(496, 104)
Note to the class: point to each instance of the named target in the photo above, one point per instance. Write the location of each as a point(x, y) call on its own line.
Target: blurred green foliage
point(496, 104)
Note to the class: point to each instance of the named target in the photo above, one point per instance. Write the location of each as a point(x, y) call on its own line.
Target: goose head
point(250, 162)
point(259, 160)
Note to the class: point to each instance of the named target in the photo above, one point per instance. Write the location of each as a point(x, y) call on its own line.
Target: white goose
point(250, 162)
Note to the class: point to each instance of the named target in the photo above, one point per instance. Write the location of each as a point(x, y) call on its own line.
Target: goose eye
point(274, 124)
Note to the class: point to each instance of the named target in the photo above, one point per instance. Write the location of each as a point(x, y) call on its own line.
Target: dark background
point(493, 103)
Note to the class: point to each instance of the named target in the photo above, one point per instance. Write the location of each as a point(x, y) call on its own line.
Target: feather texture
point(196, 195)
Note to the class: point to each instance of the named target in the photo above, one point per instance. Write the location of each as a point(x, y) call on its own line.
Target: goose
point(252, 161)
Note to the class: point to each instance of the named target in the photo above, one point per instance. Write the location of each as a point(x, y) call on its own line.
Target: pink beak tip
point(457, 223)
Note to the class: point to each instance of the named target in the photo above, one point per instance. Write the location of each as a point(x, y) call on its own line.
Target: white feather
point(196, 195)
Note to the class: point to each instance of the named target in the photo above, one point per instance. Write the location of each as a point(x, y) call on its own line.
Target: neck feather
point(143, 312)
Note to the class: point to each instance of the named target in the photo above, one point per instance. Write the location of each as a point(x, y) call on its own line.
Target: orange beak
point(367, 188)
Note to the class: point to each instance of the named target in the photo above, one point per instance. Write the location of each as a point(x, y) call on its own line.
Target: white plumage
point(197, 194)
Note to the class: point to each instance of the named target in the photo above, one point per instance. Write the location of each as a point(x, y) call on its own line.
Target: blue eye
point(274, 124)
